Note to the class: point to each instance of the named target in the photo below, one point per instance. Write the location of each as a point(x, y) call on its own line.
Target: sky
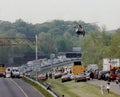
point(102, 12)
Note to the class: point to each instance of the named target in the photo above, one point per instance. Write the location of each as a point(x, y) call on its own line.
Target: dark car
point(80, 77)
point(102, 75)
point(117, 76)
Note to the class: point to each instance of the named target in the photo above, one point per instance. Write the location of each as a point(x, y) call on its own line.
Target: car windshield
point(15, 70)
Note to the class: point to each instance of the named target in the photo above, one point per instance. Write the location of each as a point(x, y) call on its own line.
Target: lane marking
point(37, 91)
point(20, 88)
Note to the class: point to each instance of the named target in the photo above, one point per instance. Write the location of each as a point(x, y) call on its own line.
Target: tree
point(46, 43)
point(115, 45)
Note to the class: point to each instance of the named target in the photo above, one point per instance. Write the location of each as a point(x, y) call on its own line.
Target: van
point(15, 73)
point(8, 72)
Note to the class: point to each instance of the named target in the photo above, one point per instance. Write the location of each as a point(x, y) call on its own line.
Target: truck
point(77, 68)
point(15, 72)
point(2, 70)
point(110, 63)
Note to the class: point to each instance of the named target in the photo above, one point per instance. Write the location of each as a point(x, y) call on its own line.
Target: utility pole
point(36, 53)
point(36, 47)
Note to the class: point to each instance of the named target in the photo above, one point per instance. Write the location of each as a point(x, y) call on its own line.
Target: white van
point(15, 72)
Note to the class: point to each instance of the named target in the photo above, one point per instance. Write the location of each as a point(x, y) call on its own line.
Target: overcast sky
point(104, 12)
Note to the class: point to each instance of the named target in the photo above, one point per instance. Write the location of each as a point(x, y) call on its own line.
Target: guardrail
point(44, 87)
point(58, 64)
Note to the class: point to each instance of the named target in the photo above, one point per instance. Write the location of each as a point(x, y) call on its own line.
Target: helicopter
point(79, 30)
point(79, 27)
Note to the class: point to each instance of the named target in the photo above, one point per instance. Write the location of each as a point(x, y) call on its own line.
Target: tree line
point(59, 36)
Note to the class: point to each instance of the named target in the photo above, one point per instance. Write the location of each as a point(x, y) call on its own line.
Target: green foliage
point(59, 36)
point(46, 43)
point(115, 45)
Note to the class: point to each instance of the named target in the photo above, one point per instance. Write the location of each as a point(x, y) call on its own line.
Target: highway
point(17, 88)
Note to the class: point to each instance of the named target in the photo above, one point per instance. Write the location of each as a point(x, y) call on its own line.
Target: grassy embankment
point(79, 89)
point(43, 91)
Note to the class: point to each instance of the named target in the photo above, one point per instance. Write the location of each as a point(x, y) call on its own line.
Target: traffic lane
point(9, 89)
point(113, 86)
point(28, 89)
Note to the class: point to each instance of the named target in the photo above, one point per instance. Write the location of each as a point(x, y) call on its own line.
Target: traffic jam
point(110, 72)
point(76, 71)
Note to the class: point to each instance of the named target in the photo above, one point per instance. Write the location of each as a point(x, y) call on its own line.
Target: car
point(57, 75)
point(107, 76)
point(112, 76)
point(42, 77)
point(66, 77)
point(101, 75)
point(117, 79)
point(117, 76)
point(80, 77)
point(72, 76)
point(88, 75)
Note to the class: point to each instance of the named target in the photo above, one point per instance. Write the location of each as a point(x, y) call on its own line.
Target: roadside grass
point(39, 88)
point(77, 89)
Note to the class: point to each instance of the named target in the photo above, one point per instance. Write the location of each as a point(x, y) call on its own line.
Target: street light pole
point(36, 53)
point(36, 47)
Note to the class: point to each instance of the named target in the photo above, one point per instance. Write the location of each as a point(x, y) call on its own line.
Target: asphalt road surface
point(113, 86)
point(17, 88)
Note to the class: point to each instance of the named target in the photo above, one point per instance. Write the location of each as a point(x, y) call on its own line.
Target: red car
point(112, 76)
point(42, 77)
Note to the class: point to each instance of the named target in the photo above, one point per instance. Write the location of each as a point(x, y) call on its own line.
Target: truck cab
point(15, 73)
point(2, 70)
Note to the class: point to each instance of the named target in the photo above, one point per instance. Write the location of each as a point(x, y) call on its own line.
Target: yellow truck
point(77, 68)
point(2, 70)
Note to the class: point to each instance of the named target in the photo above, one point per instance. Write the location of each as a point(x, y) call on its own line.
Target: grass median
point(39, 88)
point(77, 89)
